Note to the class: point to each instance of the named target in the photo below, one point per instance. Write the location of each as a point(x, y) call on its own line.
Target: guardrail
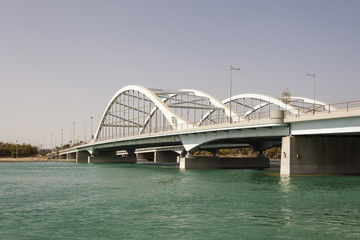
point(255, 116)
point(329, 108)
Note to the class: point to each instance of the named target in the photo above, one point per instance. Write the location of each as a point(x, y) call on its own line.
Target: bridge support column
point(111, 159)
point(303, 155)
point(165, 157)
point(192, 162)
point(82, 157)
point(71, 155)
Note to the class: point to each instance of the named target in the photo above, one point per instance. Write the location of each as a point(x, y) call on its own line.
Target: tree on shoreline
point(24, 150)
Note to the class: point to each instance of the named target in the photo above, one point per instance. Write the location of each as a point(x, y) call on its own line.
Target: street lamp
point(91, 128)
point(231, 69)
point(16, 149)
point(313, 75)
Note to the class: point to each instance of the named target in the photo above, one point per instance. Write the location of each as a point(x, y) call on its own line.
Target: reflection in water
point(285, 184)
point(286, 188)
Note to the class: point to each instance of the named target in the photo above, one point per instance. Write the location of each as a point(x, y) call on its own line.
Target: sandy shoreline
point(35, 159)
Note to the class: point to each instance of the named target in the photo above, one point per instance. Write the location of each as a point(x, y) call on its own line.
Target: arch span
point(135, 110)
point(217, 103)
point(148, 98)
point(291, 104)
point(324, 105)
point(266, 99)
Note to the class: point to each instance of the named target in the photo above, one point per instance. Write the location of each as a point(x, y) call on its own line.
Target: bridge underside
point(160, 126)
point(172, 149)
point(300, 155)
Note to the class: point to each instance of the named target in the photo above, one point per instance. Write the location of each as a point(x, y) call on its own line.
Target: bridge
point(169, 126)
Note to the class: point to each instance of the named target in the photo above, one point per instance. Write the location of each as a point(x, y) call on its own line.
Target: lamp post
point(91, 118)
point(231, 69)
point(16, 149)
point(313, 75)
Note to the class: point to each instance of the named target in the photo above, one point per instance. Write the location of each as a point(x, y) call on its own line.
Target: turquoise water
point(89, 201)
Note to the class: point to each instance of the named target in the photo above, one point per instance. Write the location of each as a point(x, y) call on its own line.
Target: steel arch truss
point(135, 110)
point(256, 106)
point(305, 105)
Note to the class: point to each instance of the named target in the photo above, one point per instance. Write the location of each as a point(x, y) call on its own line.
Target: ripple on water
point(81, 201)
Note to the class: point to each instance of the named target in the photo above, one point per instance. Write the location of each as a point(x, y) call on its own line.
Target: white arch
point(256, 108)
point(308, 100)
point(217, 103)
point(152, 112)
point(265, 98)
point(168, 113)
point(311, 101)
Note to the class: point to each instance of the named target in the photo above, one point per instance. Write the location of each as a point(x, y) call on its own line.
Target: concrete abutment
point(166, 157)
point(305, 155)
point(82, 156)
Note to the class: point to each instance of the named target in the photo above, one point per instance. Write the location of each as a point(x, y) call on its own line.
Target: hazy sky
point(62, 61)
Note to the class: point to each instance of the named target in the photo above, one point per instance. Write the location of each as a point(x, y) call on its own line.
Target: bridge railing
point(263, 114)
point(253, 117)
point(346, 106)
point(328, 109)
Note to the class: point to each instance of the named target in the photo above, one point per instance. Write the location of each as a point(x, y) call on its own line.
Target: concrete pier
point(216, 162)
point(71, 155)
point(82, 156)
point(111, 159)
point(320, 155)
point(166, 157)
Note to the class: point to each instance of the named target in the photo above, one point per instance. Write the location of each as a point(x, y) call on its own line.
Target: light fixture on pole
point(91, 128)
point(16, 149)
point(313, 75)
point(231, 69)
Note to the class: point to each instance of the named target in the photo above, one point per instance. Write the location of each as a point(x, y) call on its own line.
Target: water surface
point(120, 201)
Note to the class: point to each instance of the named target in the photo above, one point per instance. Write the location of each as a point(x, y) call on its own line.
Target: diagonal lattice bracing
point(256, 106)
point(136, 110)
